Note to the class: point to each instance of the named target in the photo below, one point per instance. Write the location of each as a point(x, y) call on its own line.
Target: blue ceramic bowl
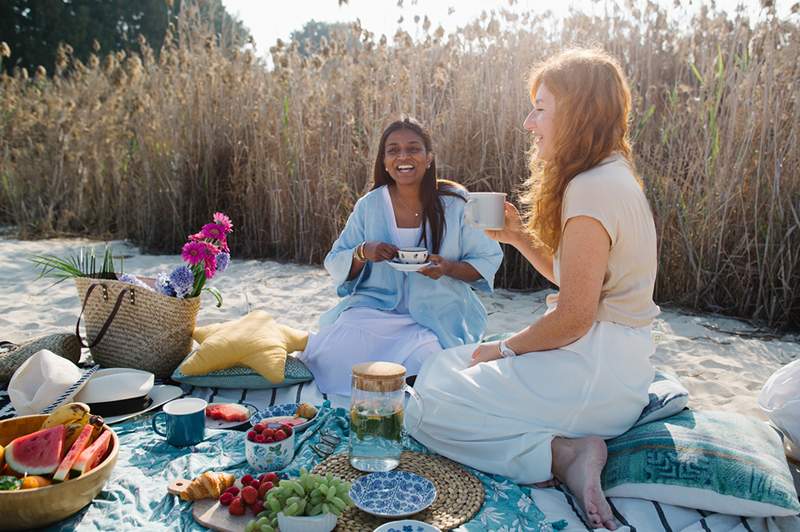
point(392, 493)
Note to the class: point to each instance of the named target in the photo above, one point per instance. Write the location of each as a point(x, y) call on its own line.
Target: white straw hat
point(44, 382)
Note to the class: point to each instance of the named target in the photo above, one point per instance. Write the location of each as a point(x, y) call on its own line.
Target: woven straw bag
point(12, 356)
point(132, 327)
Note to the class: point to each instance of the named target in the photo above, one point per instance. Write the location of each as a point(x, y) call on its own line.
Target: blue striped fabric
point(71, 391)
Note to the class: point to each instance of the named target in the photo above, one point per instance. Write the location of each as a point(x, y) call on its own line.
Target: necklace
point(405, 205)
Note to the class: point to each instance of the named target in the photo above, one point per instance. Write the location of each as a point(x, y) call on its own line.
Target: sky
point(269, 20)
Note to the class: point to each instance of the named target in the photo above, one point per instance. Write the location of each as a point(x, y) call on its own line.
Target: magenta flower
point(213, 231)
point(223, 220)
point(196, 237)
point(210, 266)
point(194, 252)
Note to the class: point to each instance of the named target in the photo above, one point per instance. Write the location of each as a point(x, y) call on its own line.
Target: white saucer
point(160, 394)
point(402, 267)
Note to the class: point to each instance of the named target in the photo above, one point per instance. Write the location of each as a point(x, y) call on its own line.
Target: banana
point(97, 422)
point(67, 414)
point(72, 433)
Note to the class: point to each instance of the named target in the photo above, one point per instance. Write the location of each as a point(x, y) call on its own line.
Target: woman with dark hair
point(396, 316)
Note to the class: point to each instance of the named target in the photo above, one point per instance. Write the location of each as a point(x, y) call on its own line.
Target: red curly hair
point(593, 102)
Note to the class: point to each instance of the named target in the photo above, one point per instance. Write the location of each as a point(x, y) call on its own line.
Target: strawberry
point(268, 432)
point(272, 477)
point(249, 494)
point(233, 490)
point(255, 483)
point(257, 507)
point(280, 435)
point(236, 507)
point(262, 478)
point(269, 439)
point(251, 435)
point(263, 488)
point(259, 438)
point(246, 480)
point(259, 427)
point(226, 498)
point(287, 429)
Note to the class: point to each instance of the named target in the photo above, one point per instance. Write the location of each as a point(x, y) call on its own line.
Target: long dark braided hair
point(431, 188)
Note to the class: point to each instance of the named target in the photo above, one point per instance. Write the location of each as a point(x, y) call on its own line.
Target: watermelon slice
point(228, 412)
point(92, 455)
point(74, 453)
point(37, 453)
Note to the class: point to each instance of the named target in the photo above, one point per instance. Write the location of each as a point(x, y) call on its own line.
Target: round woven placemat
point(459, 494)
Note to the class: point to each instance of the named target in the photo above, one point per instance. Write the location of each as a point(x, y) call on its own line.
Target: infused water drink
point(376, 416)
point(376, 438)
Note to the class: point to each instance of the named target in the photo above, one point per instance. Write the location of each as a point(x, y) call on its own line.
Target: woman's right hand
point(512, 231)
point(379, 251)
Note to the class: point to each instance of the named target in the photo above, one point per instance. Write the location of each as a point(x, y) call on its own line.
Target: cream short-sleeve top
point(610, 193)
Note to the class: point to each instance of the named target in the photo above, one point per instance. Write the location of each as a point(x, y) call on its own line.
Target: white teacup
point(486, 210)
point(412, 255)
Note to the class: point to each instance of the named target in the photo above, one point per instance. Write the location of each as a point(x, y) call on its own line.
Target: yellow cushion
point(256, 341)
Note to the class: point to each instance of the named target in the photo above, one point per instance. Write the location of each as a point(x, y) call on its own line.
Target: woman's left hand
point(486, 353)
point(439, 266)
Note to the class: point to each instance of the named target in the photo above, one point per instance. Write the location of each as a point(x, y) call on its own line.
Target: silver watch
point(506, 351)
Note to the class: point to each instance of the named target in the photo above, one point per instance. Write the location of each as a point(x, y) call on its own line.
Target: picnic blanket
point(135, 496)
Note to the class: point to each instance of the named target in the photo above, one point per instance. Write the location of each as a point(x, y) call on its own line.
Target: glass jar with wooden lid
point(376, 415)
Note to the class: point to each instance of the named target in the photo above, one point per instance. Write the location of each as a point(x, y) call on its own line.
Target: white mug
point(486, 210)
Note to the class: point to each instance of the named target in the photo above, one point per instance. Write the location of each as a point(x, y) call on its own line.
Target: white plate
point(416, 526)
point(160, 394)
point(402, 267)
point(222, 424)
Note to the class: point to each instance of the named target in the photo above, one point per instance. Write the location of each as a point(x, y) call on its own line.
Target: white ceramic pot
point(306, 523)
point(269, 456)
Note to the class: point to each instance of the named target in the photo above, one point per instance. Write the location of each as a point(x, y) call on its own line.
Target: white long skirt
point(365, 335)
point(501, 416)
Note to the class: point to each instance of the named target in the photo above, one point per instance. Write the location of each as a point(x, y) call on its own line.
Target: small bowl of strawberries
point(250, 495)
point(269, 446)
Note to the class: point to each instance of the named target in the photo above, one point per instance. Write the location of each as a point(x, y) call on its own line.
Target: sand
point(723, 362)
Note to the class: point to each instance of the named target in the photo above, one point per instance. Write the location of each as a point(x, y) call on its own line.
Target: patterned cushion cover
point(716, 461)
point(244, 377)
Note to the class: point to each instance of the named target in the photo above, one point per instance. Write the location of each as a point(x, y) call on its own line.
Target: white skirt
point(501, 416)
point(364, 335)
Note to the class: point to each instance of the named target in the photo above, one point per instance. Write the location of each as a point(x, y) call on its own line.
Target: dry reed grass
point(145, 145)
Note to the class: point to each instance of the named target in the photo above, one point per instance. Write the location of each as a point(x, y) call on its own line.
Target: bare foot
point(578, 463)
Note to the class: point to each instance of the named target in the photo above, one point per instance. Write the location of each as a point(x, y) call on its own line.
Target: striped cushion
point(716, 461)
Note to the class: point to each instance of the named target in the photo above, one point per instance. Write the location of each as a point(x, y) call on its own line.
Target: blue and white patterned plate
point(392, 493)
point(407, 525)
point(276, 412)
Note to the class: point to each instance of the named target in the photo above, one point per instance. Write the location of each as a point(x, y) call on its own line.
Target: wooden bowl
point(38, 507)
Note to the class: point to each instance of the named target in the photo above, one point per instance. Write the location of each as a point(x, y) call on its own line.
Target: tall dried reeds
point(145, 145)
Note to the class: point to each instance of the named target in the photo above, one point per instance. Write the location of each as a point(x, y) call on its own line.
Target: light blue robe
point(447, 306)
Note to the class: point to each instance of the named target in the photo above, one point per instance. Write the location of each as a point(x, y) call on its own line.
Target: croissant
point(306, 410)
point(209, 485)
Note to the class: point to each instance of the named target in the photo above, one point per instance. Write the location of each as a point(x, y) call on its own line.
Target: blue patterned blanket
point(135, 498)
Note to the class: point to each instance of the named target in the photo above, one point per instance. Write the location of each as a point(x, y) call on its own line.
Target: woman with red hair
point(540, 403)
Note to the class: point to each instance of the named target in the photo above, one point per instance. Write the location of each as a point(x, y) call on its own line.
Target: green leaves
point(85, 264)
point(9, 483)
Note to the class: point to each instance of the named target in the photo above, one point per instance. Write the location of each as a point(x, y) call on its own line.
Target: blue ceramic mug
point(185, 421)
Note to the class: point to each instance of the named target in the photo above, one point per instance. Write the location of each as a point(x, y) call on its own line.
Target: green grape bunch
point(309, 494)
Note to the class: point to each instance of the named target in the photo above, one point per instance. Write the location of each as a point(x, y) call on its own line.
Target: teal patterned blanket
point(135, 497)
